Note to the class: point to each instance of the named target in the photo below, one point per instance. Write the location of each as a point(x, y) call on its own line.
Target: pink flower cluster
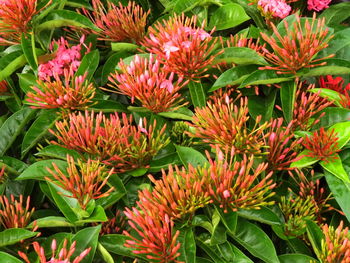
point(276, 8)
point(318, 5)
point(66, 58)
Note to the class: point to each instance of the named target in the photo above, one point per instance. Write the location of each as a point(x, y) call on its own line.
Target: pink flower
point(317, 5)
point(276, 8)
point(169, 47)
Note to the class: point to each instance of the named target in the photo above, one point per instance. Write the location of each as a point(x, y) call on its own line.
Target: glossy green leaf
point(218, 235)
point(330, 95)
point(264, 215)
point(263, 77)
point(240, 56)
point(176, 115)
point(8, 258)
point(335, 167)
point(163, 163)
point(202, 221)
point(287, 93)
point(26, 81)
point(233, 76)
point(188, 246)
point(255, 240)
point(304, 161)
point(114, 243)
point(315, 235)
point(336, 66)
point(189, 155)
point(227, 16)
point(263, 106)
point(28, 47)
point(232, 254)
point(295, 258)
point(297, 246)
point(104, 254)
point(333, 115)
point(181, 6)
point(38, 130)
point(52, 221)
point(198, 96)
point(13, 126)
point(86, 238)
point(122, 47)
point(98, 215)
point(336, 14)
point(343, 132)
point(110, 65)
point(108, 106)
point(14, 235)
point(89, 65)
point(10, 63)
point(38, 170)
point(228, 219)
point(340, 191)
point(118, 192)
point(210, 252)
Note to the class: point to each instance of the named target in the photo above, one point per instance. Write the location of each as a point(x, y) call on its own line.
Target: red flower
point(145, 80)
point(118, 23)
point(183, 48)
point(3, 86)
point(337, 84)
point(322, 145)
point(298, 47)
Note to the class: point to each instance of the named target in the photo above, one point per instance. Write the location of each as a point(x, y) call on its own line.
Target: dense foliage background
point(174, 131)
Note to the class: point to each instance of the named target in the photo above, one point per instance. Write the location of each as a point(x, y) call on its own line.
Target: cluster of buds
point(337, 84)
point(184, 48)
point(298, 47)
point(274, 8)
point(3, 87)
point(322, 145)
point(157, 239)
point(84, 182)
point(15, 213)
point(114, 141)
point(70, 93)
point(118, 23)
point(114, 225)
point(318, 5)
point(62, 256)
point(180, 134)
point(223, 123)
point(335, 247)
point(145, 80)
point(66, 58)
point(178, 193)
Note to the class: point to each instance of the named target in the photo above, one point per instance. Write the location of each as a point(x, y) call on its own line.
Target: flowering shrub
point(174, 131)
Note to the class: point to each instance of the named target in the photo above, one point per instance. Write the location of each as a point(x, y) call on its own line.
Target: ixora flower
point(274, 8)
point(114, 140)
point(118, 23)
point(62, 256)
point(145, 80)
point(223, 123)
point(184, 48)
point(70, 93)
point(318, 5)
point(66, 58)
point(156, 239)
point(337, 84)
point(298, 47)
point(85, 180)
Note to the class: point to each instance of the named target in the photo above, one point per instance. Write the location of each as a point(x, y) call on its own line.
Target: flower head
point(62, 256)
point(335, 247)
point(145, 80)
point(318, 5)
point(3, 86)
point(322, 145)
point(118, 23)
point(70, 93)
point(157, 239)
point(298, 47)
point(337, 84)
point(274, 8)
point(183, 48)
point(15, 213)
point(85, 180)
point(114, 225)
point(223, 123)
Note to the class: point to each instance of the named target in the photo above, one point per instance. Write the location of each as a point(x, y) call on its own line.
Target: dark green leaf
point(89, 64)
point(263, 77)
point(108, 106)
point(198, 96)
point(188, 246)
point(240, 56)
point(263, 106)
point(210, 252)
point(287, 92)
point(118, 192)
point(295, 258)
point(264, 215)
point(333, 115)
point(227, 16)
point(315, 235)
point(189, 155)
point(110, 65)
point(218, 235)
point(28, 47)
point(336, 14)
point(14, 235)
point(57, 152)
point(336, 66)
point(8, 258)
point(26, 81)
point(228, 219)
point(181, 6)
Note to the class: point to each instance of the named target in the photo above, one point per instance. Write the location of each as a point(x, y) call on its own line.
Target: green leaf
point(328, 94)
point(255, 240)
point(61, 18)
point(210, 252)
point(295, 258)
point(340, 191)
point(28, 47)
point(304, 161)
point(287, 93)
point(13, 126)
point(110, 65)
point(105, 254)
point(52, 221)
point(335, 166)
point(336, 14)
point(38, 170)
point(188, 246)
point(202, 221)
point(315, 235)
point(343, 133)
point(218, 235)
point(263, 77)
point(182, 6)
point(335, 66)
point(163, 163)
point(228, 219)
point(89, 65)
point(233, 76)
point(240, 56)
point(26, 81)
point(197, 93)
point(333, 115)
point(122, 47)
point(58, 152)
point(264, 215)
point(263, 106)
point(114, 243)
point(227, 16)
point(118, 192)
point(86, 238)
point(8, 258)
point(38, 130)
point(108, 106)
point(14, 235)
point(189, 155)
point(98, 215)
point(177, 114)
